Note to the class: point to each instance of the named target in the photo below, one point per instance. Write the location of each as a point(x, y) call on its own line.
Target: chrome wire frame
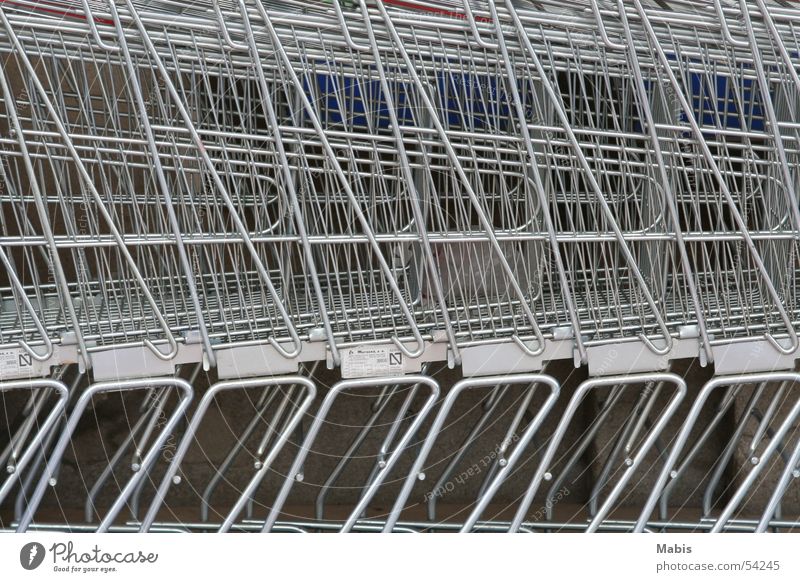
point(359, 175)
point(251, 187)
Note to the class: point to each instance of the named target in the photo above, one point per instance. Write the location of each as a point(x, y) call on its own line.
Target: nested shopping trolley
point(273, 193)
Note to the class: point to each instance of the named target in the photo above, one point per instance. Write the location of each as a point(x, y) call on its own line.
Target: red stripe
point(57, 12)
point(434, 10)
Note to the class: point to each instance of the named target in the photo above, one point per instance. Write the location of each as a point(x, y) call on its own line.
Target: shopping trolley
point(265, 192)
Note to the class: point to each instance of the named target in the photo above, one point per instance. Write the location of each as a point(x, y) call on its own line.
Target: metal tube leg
point(790, 472)
point(727, 453)
point(319, 505)
point(41, 457)
point(725, 405)
point(270, 435)
point(668, 470)
point(197, 418)
point(624, 437)
point(740, 493)
point(441, 417)
point(315, 427)
point(61, 391)
point(542, 472)
point(72, 422)
point(233, 453)
point(89, 507)
point(583, 444)
point(493, 401)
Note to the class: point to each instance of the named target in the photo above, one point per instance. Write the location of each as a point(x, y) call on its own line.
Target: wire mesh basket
point(258, 191)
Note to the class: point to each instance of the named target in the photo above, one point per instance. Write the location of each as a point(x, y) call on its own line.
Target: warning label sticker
point(370, 361)
point(12, 362)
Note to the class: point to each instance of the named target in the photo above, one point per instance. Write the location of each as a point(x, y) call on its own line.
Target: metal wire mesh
point(264, 189)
